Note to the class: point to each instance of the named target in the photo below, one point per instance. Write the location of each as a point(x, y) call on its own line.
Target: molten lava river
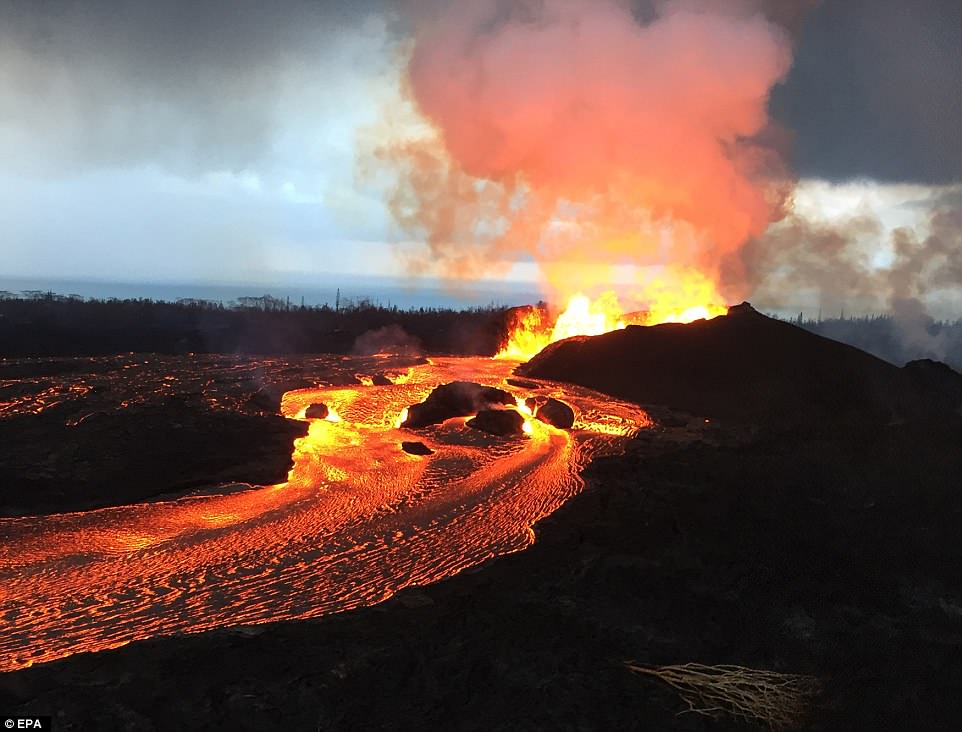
point(357, 520)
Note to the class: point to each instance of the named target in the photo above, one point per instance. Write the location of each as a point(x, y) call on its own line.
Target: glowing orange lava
point(528, 415)
point(680, 296)
point(357, 520)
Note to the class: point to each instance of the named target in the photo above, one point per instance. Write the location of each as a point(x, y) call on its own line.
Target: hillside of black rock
point(749, 367)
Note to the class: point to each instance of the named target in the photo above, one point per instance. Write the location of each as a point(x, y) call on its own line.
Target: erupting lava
point(606, 148)
point(689, 298)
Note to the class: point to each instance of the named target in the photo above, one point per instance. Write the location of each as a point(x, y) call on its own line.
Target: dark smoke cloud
point(876, 91)
point(189, 85)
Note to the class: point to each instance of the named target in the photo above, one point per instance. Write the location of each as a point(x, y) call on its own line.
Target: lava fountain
point(609, 148)
point(692, 297)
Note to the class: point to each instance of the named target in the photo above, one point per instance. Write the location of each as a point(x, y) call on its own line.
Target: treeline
point(37, 323)
point(49, 324)
point(896, 340)
point(259, 302)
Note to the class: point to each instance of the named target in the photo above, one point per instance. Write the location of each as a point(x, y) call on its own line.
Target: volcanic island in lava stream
point(358, 519)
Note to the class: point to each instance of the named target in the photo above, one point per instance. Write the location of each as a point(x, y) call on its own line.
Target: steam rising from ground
point(864, 248)
point(391, 338)
point(591, 139)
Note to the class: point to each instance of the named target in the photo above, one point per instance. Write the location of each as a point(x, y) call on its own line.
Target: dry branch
point(776, 700)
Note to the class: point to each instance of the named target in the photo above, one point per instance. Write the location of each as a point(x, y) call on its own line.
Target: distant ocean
point(383, 291)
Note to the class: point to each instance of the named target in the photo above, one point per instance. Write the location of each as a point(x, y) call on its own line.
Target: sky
point(217, 140)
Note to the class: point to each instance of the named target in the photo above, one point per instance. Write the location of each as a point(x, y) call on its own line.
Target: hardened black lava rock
point(456, 399)
point(556, 412)
point(317, 411)
point(415, 447)
point(503, 422)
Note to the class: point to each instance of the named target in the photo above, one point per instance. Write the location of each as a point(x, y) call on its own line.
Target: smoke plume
point(387, 339)
point(590, 136)
point(853, 263)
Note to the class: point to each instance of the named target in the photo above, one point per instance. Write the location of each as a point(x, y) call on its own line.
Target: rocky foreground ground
point(833, 555)
point(817, 547)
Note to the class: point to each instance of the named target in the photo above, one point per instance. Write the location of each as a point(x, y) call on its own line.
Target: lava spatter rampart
point(358, 520)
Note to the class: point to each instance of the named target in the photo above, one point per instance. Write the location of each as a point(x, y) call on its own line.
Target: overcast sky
point(187, 140)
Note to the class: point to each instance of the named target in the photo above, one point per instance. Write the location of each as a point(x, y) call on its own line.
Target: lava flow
point(357, 520)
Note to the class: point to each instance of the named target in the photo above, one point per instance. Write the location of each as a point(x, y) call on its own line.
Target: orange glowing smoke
point(606, 147)
point(680, 298)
